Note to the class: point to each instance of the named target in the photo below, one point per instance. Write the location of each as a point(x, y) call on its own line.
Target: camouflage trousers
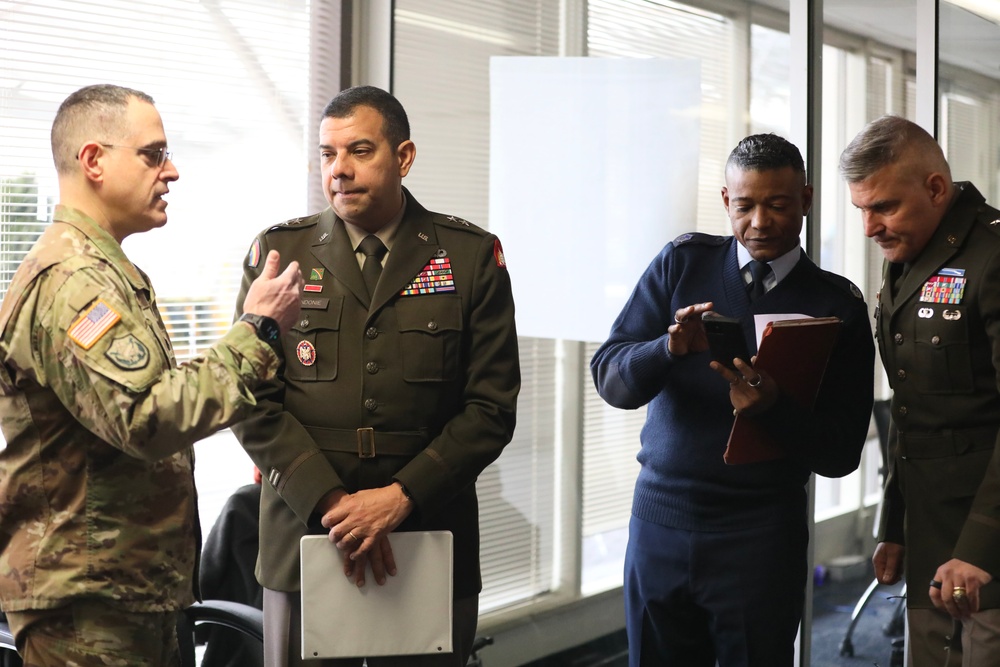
point(94, 634)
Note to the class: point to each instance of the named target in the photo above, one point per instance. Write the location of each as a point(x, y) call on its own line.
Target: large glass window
point(230, 79)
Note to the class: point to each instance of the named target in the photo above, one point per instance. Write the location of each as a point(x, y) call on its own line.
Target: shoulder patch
point(253, 257)
point(128, 352)
point(498, 254)
point(699, 237)
point(843, 283)
point(92, 324)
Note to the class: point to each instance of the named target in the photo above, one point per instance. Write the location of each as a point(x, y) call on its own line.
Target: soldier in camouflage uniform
point(98, 519)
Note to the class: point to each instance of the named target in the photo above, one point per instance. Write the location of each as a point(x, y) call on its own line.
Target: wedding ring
point(755, 382)
point(351, 533)
point(680, 320)
point(935, 584)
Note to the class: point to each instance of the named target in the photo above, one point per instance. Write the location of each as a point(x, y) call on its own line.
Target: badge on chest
point(947, 286)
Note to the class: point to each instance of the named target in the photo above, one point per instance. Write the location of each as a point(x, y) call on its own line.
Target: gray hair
point(97, 111)
point(884, 142)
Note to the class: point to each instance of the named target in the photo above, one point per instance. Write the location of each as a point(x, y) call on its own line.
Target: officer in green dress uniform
point(938, 329)
point(398, 385)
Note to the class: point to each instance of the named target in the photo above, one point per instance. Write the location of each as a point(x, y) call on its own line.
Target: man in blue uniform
point(715, 568)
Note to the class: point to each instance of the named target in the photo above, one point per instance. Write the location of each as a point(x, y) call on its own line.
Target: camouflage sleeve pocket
point(114, 342)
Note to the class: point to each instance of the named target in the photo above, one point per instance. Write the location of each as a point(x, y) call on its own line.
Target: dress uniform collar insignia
point(422, 236)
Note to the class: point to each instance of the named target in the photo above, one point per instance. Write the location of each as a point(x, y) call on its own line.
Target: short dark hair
point(764, 152)
point(885, 141)
point(395, 124)
point(100, 108)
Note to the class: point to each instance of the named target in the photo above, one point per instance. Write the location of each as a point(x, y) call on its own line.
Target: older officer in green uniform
point(98, 519)
point(938, 328)
point(398, 384)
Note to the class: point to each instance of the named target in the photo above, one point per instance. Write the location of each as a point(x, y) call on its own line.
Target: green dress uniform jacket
point(939, 337)
point(418, 386)
point(97, 494)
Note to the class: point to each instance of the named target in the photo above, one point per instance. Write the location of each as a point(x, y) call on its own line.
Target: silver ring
point(755, 382)
point(679, 320)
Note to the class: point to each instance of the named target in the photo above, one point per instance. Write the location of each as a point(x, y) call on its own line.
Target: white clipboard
point(410, 614)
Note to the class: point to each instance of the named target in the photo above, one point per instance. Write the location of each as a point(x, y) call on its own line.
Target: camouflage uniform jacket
point(96, 480)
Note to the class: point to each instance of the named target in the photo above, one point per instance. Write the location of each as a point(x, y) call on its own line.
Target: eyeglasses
point(159, 155)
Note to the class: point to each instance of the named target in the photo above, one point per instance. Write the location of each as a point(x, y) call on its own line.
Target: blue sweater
point(684, 482)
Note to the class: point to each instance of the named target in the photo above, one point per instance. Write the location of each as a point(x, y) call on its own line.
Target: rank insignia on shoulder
point(316, 274)
point(128, 352)
point(458, 220)
point(93, 324)
point(435, 277)
point(253, 257)
point(947, 286)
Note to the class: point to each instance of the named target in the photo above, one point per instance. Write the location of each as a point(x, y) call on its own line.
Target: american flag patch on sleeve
point(93, 324)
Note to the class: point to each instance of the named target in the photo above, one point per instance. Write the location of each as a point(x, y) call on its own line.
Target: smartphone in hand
point(725, 339)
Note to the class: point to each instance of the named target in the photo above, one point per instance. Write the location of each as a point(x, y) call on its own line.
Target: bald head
point(93, 113)
point(892, 140)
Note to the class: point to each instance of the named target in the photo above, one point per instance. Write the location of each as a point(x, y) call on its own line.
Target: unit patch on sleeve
point(93, 324)
point(433, 278)
point(498, 254)
point(253, 257)
point(128, 352)
point(947, 286)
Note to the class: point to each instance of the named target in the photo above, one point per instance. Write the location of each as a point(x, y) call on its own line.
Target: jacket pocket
point(312, 347)
point(942, 355)
point(430, 329)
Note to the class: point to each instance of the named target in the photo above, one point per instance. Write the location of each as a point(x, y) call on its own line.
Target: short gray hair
point(884, 142)
point(98, 109)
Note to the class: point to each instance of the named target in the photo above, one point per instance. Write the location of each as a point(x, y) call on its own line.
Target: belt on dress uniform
point(952, 442)
point(367, 442)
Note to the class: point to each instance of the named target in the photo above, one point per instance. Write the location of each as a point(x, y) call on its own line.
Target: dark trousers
point(694, 598)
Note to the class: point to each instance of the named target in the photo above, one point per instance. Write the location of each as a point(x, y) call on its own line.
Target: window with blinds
point(230, 81)
point(639, 29)
point(440, 72)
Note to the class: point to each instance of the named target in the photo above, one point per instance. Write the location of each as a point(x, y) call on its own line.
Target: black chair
point(234, 615)
point(880, 412)
point(8, 653)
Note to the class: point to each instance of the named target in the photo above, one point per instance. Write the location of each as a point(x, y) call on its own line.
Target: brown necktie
point(374, 250)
